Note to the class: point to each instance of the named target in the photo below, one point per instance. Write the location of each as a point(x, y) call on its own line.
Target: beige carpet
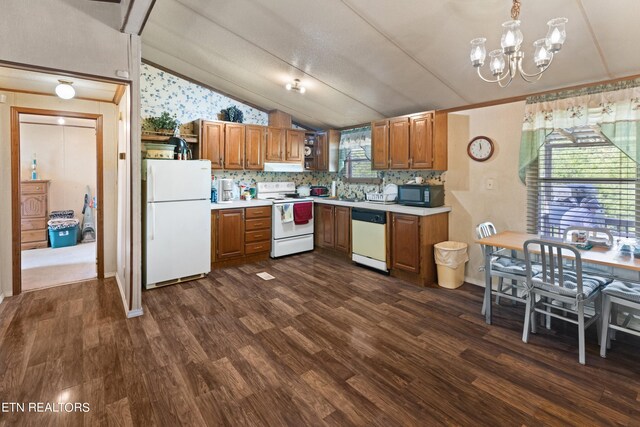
point(43, 268)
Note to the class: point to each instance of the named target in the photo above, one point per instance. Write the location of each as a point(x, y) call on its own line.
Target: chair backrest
point(553, 271)
point(485, 229)
point(591, 232)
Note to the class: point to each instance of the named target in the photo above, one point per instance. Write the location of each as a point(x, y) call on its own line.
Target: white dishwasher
point(369, 238)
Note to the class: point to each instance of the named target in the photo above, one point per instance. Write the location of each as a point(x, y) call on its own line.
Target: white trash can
point(450, 260)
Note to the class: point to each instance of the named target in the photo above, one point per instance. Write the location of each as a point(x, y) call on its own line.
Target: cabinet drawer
point(257, 236)
point(33, 245)
point(253, 248)
point(260, 212)
point(257, 224)
point(33, 188)
point(33, 236)
point(33, 224)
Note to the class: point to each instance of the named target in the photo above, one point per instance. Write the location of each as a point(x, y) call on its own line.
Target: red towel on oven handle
point(302, 212)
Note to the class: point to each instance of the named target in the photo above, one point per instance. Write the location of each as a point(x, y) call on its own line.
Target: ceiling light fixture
point(511, 56)
point(60, 120)
point(296, 86)
point(64, 89)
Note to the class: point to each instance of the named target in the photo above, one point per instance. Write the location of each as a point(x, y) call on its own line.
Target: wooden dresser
point(34, 210)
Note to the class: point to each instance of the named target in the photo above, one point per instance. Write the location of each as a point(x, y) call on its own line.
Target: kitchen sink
point(348, 199)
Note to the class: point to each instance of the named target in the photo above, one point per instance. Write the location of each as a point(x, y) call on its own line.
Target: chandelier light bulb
point(295, 86)
point(507, 62)
point(303, 89)
point(288, 86)
point(64, 90)
point(60, 120)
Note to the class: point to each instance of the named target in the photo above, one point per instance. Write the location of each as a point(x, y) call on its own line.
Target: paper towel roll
point(333, 188)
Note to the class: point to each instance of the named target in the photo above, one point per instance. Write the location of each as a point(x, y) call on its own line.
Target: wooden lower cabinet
point(230, 227)
point(405, 242)
point(240, 236)
point(333, 228)
point(342, 225)
point(412, 238)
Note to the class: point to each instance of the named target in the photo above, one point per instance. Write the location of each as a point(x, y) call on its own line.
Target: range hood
point(283, 167)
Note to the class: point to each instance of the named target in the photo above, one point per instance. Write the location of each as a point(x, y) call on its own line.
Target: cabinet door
point(421, 142)
point(33, 205)
point(342, 228)
point(295, 146)
point(275, 145)
point(327, 228)
point(230, 234)
point(233, 146)
point(322, 152)
point(405, 242)
point(399, 143)
point(255, 142)
point(380, 145)
point(212, 144)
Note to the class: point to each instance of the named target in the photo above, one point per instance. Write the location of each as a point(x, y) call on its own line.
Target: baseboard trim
point(111, 274)
point(135, 313)
point(1, 297)
point(129, 313)
point(475, 282)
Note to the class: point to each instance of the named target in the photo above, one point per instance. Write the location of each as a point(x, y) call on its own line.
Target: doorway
point(57, 192)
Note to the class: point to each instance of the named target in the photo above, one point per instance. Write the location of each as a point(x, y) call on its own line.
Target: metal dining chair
point(618, 295)
point(503, 267)
point(560, 282)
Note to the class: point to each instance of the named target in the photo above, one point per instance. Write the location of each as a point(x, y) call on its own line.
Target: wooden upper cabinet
point(321, 152)
point(405, 242)
point(212, 143)
point(380, 144)
point(230, 234)
point(255, 144)
point(342, 226)
point(275, 145)
point(234, 146)
point(421, 142)
point(294, 145)
point(399, 143)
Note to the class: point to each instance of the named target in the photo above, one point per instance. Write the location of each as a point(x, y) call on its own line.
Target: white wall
point(76, 36)
point(66, 155)
point(72, 35)
point(110, 129)
point(471, 202)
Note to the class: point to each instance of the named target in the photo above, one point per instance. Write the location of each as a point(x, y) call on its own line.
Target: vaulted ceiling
point(362, 60)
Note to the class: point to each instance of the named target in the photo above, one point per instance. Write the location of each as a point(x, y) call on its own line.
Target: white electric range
point(287, 237)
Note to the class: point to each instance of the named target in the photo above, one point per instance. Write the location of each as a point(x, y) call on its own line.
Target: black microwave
point(424, 196)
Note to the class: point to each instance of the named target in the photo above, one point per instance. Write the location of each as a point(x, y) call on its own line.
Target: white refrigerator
point(176, 221)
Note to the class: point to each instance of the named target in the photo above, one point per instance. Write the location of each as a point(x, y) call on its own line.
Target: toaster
point(319, 191)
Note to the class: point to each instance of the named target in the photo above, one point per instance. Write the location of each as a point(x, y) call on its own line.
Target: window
point(582, 179)
point(355, 155)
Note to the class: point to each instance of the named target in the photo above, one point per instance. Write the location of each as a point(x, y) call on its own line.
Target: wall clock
point(480, 148)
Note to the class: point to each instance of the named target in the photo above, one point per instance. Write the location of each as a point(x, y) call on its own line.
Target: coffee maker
point(226, 191)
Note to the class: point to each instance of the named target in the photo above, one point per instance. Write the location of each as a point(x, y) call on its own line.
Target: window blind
point(582, 179)
point(355, 153)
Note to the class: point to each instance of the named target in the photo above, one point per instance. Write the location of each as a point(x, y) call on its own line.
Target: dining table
point(514, 240)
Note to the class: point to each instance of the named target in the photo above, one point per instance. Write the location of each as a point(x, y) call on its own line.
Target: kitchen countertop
point(239, 204)
point(409, 210)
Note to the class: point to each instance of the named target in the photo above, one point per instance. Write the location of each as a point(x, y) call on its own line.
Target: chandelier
point(510, 55)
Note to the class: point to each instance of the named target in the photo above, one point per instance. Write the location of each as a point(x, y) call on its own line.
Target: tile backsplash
point(325, 178)
point(161, 91)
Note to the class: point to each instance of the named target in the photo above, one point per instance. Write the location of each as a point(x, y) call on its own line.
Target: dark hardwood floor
point(324, 343)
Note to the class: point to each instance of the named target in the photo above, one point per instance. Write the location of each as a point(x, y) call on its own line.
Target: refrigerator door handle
point(153, 220)
point(152, 178)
